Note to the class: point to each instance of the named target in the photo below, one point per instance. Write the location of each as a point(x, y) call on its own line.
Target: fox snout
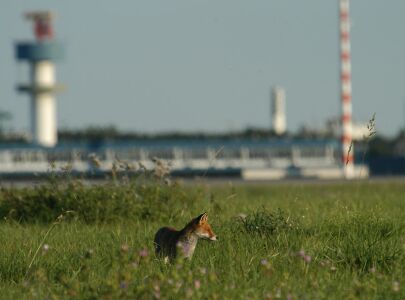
point(207, 235)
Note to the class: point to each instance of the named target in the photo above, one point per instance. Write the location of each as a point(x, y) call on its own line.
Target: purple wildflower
point(123, 285)
point(143, 253)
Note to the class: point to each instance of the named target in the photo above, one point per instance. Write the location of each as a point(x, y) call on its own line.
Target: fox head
point(203, 229)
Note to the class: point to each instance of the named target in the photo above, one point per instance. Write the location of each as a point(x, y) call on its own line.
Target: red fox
point(170, 243)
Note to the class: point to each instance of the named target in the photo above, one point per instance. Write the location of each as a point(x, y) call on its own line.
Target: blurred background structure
point(202, 106)
point(346, 92)
point(278, 114)
point(40, 55)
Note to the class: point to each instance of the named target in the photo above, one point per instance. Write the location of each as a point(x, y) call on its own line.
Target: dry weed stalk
point(57, 221)
point(371, 128)
point(94, 160)
point(372, 131)
point(162, 168)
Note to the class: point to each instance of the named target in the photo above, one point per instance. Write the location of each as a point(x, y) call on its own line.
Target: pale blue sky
point(159, 65)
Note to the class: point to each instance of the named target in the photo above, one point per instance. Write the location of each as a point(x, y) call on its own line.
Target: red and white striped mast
point(346, 90)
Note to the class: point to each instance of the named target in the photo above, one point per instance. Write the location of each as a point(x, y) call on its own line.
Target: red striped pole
point(346, 90)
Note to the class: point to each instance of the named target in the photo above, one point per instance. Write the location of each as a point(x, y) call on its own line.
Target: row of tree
point(378, 145)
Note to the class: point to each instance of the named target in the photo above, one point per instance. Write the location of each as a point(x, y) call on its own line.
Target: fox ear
point(202, 218)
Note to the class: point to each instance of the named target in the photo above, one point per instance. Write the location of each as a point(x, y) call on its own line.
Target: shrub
point(264, 222)
point(142, 199)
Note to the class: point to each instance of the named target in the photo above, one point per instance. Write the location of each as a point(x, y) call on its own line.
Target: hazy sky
point(159, 65)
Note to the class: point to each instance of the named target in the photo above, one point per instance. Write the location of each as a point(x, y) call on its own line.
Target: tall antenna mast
point(346, 90)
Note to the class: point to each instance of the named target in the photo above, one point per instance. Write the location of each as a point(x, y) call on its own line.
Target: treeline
point(112, 133)
point(376, 146)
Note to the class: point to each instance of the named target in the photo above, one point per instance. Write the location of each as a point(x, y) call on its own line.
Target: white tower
point(278, 117)
point(42, 87)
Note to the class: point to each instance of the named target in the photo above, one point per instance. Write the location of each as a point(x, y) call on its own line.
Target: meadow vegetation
point(69, 240)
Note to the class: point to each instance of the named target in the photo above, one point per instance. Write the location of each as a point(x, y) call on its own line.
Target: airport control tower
point(42, 87)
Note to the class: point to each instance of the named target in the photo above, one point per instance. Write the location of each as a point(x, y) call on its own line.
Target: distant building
point(360, 131)
point(333, 128)
point(278, 116)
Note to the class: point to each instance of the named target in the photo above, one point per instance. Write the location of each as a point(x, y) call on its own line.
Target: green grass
point(334, 241)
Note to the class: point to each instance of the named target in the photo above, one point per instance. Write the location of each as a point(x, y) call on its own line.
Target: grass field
point(337, 241)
